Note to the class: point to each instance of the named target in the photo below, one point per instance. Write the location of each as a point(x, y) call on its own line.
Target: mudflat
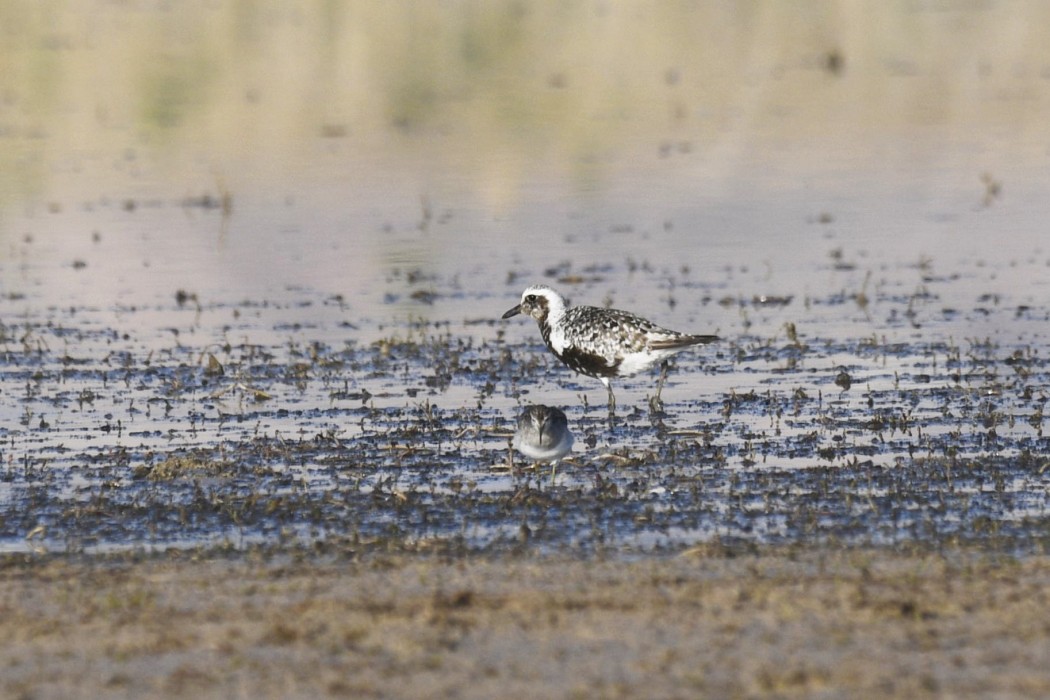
point(711, 621)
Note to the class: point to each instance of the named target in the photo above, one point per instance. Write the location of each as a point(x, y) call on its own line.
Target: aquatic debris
point(183, 467)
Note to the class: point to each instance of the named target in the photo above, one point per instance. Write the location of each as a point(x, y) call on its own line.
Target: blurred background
point(245, 147)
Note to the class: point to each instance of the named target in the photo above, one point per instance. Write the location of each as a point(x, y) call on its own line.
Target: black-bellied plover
point(602, 343)
point(543, 434)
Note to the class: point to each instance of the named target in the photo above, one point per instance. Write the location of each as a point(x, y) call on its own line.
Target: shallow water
point(307, 347)
point(304, 427)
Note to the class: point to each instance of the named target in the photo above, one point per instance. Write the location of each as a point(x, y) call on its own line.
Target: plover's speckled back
point(543, 434)
point(602, 343)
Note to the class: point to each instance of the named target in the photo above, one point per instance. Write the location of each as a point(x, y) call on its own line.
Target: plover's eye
point(530, 298)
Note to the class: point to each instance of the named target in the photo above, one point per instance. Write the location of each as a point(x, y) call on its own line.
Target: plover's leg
point(657, 402)
point(612, 399)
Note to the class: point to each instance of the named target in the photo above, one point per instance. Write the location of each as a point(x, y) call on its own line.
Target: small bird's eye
point(530, 298)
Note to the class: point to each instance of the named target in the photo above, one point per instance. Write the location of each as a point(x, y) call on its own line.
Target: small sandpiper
point(543, 435)
point(602, 343)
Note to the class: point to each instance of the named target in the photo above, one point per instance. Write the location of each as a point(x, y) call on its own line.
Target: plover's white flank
point(602, 343)
point(543, 434)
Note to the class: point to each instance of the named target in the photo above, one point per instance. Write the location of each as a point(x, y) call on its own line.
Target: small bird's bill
point(513, 312)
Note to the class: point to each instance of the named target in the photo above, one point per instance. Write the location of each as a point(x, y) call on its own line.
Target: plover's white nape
point(602, 343)
point(543, 435)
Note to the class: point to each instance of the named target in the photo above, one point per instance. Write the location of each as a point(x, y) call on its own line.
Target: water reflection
point(350, 140)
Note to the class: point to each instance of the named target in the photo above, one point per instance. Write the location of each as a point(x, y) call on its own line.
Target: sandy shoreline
point(707, 623)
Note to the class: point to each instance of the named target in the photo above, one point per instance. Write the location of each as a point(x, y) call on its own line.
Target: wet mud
point(397, 435)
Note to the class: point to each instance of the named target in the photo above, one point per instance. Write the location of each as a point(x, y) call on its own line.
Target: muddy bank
point(710, 622)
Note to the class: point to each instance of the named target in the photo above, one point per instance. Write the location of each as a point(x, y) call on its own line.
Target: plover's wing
point(681, 340)
point(610, 333)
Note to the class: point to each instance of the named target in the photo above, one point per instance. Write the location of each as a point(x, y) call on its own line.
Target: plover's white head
point(541, 303)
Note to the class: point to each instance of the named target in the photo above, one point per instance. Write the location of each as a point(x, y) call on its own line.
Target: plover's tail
point(682, 341)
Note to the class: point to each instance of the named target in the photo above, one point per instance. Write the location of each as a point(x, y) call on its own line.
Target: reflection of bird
point(543, 434)
point(602, 343)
